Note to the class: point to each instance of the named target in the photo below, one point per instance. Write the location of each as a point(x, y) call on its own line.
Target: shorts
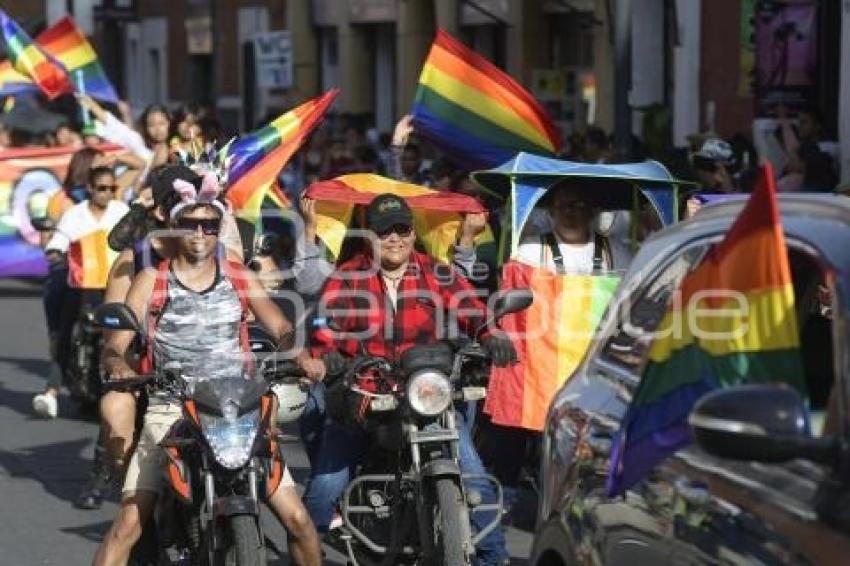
point(145, 470)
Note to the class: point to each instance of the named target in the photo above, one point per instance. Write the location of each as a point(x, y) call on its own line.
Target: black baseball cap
point(387, 210)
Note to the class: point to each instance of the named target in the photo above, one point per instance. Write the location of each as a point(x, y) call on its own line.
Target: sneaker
point(336, 522)
point(45, 405)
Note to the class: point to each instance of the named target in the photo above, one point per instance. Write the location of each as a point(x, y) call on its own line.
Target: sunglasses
point(402, 230)
point(209, 226)
point(104, 188)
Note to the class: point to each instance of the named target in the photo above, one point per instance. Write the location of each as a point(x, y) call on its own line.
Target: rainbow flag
point(756, 343)
point(67, 43)
point(437, 215)
point(256, 159)
point(550, 337)
point(27, 58)
point(475, 112)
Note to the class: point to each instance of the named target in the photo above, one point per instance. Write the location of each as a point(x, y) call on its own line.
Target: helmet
point(291, 400)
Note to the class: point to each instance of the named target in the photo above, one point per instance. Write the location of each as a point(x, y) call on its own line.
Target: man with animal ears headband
point(195, 305)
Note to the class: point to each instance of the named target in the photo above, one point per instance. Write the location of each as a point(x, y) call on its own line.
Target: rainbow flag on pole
point(437, 215)
point(256, 159)
point(475, 112)
point(27, 58)
point(734, 322)
point(550, 337)
point(67, 44)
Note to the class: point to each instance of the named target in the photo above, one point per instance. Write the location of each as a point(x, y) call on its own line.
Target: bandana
point(191, 196)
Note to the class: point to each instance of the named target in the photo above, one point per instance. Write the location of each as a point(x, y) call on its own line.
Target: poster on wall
point(785, 55)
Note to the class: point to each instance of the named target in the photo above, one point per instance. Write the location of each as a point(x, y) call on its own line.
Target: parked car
point(767, 480)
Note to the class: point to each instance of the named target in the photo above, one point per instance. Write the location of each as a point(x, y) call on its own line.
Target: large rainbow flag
point(67, 44)
point(256, 158)
point(759, 344)
point(437, 215)
point(475, 112)
point(550, 337)
point(28, 59)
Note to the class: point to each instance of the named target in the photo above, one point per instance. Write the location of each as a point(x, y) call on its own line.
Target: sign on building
point(273, 59)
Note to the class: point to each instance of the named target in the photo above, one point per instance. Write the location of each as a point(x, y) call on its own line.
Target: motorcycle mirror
point(511, 301)
point(116, 316)
point(507, 302)
point(43, 224)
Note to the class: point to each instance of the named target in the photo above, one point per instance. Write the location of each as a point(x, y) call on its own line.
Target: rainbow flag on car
point(475, 112)
point(734, 322)
point(550, 337)
point(437, 215)
point(28, 59)
point(256, 158)
point(68, 45)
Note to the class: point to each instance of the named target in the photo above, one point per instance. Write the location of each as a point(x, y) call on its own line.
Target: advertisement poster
point(786, 55)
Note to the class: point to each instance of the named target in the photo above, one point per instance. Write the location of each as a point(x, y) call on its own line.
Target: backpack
point(233, 271)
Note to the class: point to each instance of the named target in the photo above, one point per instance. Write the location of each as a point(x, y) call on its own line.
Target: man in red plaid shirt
point(388, 304)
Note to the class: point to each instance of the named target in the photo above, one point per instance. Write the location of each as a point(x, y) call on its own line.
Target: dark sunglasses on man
point(403, 230)
point(104, 188)
point(209, 226)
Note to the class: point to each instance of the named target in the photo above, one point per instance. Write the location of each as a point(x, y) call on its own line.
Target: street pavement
point(44, 464)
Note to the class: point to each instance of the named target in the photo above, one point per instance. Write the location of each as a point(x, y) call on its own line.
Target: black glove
point(500, 349)
point(334, 363)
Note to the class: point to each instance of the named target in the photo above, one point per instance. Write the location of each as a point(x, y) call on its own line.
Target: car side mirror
point(511, 301)
point(116, 316)
point(759, 423)
point(43, 224)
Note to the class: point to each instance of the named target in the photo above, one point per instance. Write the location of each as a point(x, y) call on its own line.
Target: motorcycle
point(222, 457)
point(409, 502)
point(81, 363)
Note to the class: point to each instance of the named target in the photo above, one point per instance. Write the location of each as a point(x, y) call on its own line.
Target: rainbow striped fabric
point(758, 344)
point(89, 261)
point(475, 112)
point(256, 159)
point(437, 215)
point(28, 58)
point(550, 337)
point(67, 44)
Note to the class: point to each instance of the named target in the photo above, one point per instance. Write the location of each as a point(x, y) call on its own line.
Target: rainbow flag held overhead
point(67, 43)
point(437, 215)
point(475, 112)
point(256, 158)
point(758, 344)
point(550, 338)
point(30, 60)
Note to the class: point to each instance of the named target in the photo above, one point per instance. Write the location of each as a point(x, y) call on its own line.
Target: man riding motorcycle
point(393, 292)
point(195, 290)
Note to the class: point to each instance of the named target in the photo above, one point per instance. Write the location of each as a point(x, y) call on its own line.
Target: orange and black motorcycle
point(224, 457)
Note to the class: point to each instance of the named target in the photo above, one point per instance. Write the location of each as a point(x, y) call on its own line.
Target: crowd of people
point(148, 186)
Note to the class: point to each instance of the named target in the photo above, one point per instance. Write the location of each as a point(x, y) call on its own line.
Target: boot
point(99, 483)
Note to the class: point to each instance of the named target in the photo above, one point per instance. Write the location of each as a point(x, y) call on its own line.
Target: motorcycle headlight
point(429, 392)
point(231, 438)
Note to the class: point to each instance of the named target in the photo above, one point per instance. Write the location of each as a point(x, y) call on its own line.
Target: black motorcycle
point(80, 357)
point(223, 458)
point(409, 502)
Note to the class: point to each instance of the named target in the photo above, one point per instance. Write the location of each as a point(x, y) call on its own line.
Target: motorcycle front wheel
point(245, 548)
point(451, 524)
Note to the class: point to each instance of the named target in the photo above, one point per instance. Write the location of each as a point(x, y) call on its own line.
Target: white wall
point(647, 57)
point(686, 63)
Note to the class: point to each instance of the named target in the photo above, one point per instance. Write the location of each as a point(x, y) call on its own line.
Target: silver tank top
point(200, 330)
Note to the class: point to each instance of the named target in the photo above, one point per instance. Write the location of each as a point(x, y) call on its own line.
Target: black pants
point(73, 304)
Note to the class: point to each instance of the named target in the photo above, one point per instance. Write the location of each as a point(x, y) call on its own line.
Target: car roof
point(821, 220)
